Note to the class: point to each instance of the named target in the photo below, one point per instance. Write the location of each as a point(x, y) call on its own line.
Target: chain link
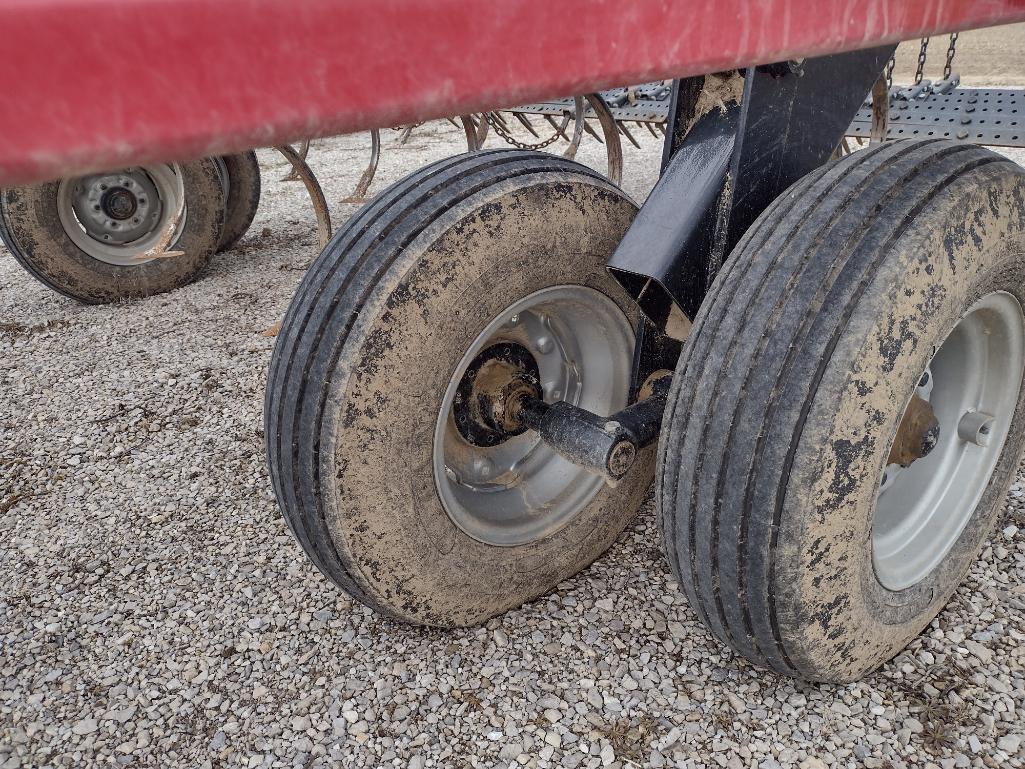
point(502, 131)
point(889, 72)
point(951, 50)
point(922, 53)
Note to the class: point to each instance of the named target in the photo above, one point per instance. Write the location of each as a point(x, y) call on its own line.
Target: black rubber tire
point(363, 358)
point(31, 228)
point(789, 390)
point(243, 171)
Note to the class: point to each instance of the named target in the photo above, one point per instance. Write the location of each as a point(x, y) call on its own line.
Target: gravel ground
point(985, 57)
point(157, 612)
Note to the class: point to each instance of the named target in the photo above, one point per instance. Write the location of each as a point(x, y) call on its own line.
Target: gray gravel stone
point(1009, 743)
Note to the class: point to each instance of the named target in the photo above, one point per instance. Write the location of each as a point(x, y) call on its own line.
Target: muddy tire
point(42, 227)
point(891, 277)
point(243, 198)
point(384, 323)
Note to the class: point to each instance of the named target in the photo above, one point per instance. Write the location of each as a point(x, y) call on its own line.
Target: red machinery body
point(95, 84)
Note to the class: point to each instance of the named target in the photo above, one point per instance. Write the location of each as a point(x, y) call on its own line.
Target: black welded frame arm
point(722, 166)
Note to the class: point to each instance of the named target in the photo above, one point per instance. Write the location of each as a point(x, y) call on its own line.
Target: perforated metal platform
point(977, 115)
point(648, 103)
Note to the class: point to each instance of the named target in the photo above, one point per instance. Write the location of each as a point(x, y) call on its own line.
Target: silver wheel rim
point(115, 217)
point(520, 490)
point(972, 385)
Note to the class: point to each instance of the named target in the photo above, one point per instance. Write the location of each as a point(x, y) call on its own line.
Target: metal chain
point(921, 60)
point(502, 131)
point(889, 72)
point(951, 50)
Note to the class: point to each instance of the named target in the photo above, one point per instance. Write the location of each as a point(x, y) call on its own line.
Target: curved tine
point(626, 132)
point(592, 132)
point(482, 131)
point(560, 130)
point(406, 133)
point(525, 122)
point(470, 129)
point(613, 146)
point(313, 188)
point(303, 151)
point(360, 193)
point(880, 110)
point(578, 128)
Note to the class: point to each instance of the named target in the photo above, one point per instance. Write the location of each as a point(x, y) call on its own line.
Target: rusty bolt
point(621, 459)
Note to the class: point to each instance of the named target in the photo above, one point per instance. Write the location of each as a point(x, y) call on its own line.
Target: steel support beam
point(733, 162)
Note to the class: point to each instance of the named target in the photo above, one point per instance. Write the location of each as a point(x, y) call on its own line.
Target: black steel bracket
point(605, 446)
point(722, 169)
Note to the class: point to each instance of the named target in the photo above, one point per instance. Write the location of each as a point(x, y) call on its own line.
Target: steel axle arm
point(606, 446)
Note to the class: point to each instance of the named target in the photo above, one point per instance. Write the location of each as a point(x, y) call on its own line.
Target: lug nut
point(975, 427)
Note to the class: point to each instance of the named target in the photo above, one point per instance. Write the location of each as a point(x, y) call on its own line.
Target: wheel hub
point(917, 435)
point(119, 203)
point(497, 480)
point(496, 379)
point(117, 208)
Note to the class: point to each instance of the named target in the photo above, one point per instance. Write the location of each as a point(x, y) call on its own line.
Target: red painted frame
point(96, 84)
